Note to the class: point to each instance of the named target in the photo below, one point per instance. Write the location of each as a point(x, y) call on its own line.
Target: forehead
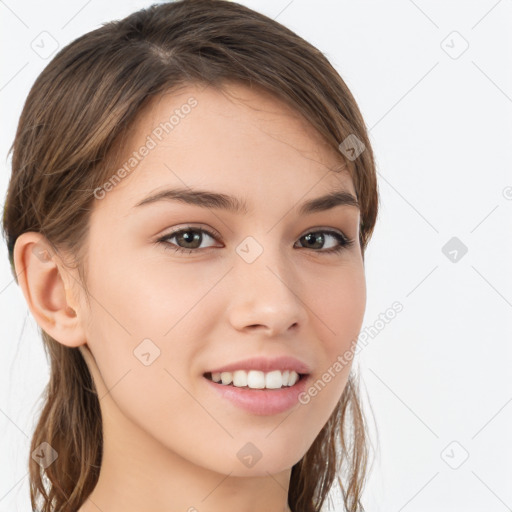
point(234, 137)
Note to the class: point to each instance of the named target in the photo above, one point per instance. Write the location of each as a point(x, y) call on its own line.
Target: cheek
point(133, 328)
point(338, 317)
point(140, 298)
point(339, 307)
point(143, 331)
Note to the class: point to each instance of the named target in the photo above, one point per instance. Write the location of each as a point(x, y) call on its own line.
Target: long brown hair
point(78, 109)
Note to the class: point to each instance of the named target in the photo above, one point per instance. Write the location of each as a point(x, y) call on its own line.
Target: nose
point(265, 296)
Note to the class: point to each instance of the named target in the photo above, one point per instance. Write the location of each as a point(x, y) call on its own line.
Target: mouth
point(283, 392)
point(218, 380)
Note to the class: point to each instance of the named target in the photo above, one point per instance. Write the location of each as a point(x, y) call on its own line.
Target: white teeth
point(239, 379)
point(255, 379)
point(274, 380)
point(226, 377)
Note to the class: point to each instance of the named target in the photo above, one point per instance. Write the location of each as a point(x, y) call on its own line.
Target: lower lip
point(262, 401)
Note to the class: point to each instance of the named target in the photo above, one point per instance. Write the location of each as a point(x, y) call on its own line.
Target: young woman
point(192, 193)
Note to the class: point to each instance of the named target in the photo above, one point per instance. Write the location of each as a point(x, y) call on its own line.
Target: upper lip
point(266, 364)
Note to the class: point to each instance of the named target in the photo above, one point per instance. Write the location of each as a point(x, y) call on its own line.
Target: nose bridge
point(264, 294)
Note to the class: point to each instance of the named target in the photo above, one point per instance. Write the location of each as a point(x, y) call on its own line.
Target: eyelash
point(345, 242)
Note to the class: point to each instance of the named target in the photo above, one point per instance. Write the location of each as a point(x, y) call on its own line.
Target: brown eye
point(187, 239)
point(191, 238)
point(316, 240)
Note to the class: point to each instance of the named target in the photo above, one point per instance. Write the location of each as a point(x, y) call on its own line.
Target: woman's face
point(258, 282)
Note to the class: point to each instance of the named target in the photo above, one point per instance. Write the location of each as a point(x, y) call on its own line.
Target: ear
point(47, 287)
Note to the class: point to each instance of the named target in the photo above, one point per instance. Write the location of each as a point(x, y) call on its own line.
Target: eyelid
point(327, 229)
point(209, 231)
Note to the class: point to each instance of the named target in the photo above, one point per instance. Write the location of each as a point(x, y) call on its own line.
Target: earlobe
point(46, 285)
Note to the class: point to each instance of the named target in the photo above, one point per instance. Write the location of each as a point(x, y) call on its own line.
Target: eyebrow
point(208, 199)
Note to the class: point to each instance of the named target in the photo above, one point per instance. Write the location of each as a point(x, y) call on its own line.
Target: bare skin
point(170, 442)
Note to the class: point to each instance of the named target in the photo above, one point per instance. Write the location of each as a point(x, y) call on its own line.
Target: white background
point(437, 375)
